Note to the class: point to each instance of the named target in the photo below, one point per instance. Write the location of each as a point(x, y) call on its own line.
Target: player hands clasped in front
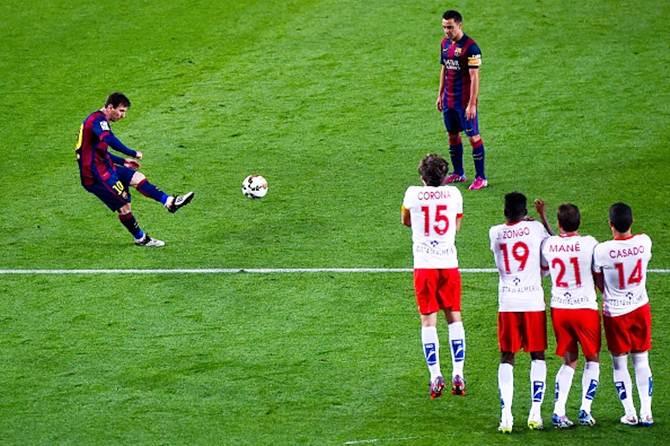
point(434, 212)
point(521, 314)
point(457, 97)
point(621, 265)
point(108, 176)
point(568, 257)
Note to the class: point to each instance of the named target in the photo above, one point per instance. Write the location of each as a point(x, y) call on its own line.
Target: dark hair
point(433, 168)
point(568, 217)
point(452, 14)
point(117, 99)
point(515, 206)
point(621, 216)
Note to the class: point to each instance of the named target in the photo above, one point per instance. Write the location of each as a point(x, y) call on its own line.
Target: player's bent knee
point(475, 139)
point(125, 209)
point(137, 178)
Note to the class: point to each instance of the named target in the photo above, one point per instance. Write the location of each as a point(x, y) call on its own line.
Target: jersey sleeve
point(647, 242)
point(442, 52)
point(459, 203)
point(492, 239)
point(597, 262)
point(407, 201)
point(474, 57)
point(100, 127)
point(544, 265)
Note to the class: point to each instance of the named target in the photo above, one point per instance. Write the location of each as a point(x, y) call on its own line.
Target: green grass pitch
point(333, 102)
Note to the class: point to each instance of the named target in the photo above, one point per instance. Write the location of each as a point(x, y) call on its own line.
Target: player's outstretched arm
point(117, 145)
point(540, 208)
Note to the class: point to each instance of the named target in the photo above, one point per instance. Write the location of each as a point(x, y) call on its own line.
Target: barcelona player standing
point(108, 176)
point(460, 58)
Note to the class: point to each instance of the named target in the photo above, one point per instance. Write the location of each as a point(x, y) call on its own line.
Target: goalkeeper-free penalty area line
point(240, 271)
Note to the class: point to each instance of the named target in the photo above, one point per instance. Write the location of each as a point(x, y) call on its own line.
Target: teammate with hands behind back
point(434, 212)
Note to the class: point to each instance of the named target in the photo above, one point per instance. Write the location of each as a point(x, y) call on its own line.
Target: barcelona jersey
point(458, 58)
point(95, 162)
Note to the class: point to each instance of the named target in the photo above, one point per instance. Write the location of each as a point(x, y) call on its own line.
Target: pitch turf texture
point(332, 101)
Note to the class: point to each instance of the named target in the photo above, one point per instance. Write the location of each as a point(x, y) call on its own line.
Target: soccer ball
point(254, 186)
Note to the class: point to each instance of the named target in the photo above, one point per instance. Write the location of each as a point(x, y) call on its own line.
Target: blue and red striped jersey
point(458, 58)
point(95, 161)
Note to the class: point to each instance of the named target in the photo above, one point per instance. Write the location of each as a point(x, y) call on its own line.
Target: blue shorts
point(455, 122)
point(114, 192)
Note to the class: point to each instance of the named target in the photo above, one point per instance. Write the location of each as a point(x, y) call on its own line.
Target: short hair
point(433, 169)
point(117, 99)
point(568, 217)
point(515, 206)
point(621, 216)
point(452, 14)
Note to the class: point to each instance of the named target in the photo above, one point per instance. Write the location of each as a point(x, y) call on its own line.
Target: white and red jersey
point(516, 249)
point(623, 263)
point(569, 259)
point(433, 212)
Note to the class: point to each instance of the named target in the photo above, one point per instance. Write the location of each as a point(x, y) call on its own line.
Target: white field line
point(240, 271)
point(378, 440)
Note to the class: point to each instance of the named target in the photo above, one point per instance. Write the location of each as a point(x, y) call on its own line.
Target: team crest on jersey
point(458, 51)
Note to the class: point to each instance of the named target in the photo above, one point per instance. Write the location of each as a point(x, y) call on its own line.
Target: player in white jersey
point(522, 320)
point(622, 264)
point(434, 212)
point(568, 258)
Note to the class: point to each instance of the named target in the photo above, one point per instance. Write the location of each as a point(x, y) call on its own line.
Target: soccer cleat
point(629, 420)
point(585, 418)
point(149, 242)
point(180, 201)
point(535, 423)
point(436, 387)
point(455, 178)
point(458, 386)
point(479, 183)
point(646, 421)
point(506, 422)
point(562, 422)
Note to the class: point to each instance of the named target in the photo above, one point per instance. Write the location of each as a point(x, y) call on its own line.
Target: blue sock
point(128, 220)
point(478, 157)
point(456, 154)
point(149, 190)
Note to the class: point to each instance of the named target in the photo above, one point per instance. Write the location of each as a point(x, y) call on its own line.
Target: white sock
point(623, 383)
point(506, 387)
point(590, 381)
point(644, 382)
point(457, 341)
point(431, 351)
point(563, 384)
point(538, 383)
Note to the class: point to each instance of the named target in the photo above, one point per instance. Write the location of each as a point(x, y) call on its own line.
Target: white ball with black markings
point(254, 186)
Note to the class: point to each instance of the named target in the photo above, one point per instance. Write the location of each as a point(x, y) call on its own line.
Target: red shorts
point(629, 333)
point(522, 329)
point(576, 326)
point(437, 289)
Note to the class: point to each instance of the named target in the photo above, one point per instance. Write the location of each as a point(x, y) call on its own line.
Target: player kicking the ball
point(568, 257)
point(108, 177)
point(434, 213)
